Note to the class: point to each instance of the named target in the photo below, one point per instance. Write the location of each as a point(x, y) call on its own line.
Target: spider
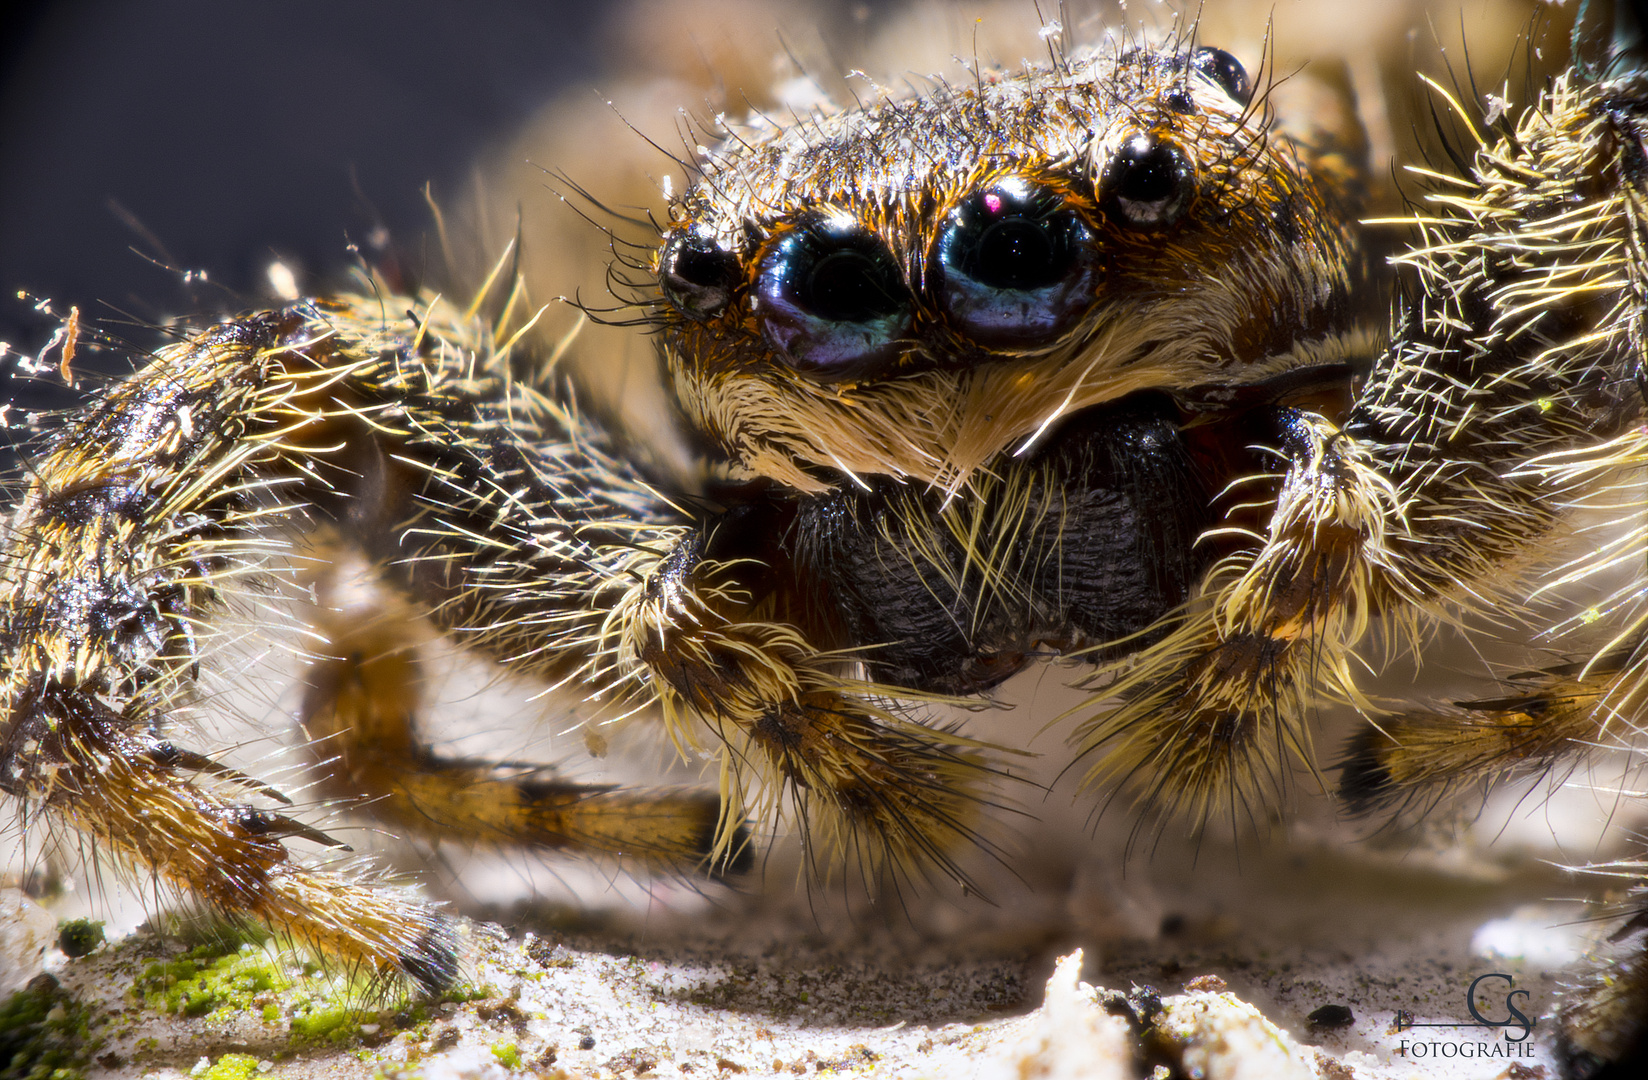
point(1085, 360)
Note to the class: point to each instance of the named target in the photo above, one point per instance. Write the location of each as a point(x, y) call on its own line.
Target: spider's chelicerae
point(1084, 360)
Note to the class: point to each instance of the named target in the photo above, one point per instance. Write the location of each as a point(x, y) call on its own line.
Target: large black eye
point(1225, 71)
point(698, 276)
point(1148, 184)
point(1014, 264)
point(831, 298)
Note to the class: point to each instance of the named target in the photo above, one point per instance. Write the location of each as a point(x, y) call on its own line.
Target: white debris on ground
point(27, 931)
point(1080, 1031)
point(621, 1003)
point(1070, 1035)
point(1307, 958)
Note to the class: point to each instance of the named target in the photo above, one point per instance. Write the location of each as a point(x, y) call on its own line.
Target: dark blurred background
point(223, 134)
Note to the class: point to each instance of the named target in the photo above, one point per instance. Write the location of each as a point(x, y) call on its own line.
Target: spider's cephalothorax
point(1052, 363)
point(919, 287)
point(988, 360)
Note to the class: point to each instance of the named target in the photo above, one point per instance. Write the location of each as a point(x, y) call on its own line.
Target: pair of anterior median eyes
point(1013, 264)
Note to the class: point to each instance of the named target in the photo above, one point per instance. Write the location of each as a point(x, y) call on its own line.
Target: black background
point(235, 131)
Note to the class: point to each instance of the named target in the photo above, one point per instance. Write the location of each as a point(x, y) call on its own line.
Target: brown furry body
point(1170, 480)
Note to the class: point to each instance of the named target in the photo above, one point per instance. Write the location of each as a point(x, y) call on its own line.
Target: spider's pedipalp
point(1516, 371)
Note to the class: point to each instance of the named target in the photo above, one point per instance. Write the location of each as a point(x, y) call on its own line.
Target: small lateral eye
point(698, 276)
point(831, 298)
point(1148, 184)
point(1014, 264)
point(1225, 71)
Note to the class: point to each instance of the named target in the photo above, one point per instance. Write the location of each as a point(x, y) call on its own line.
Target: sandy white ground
point(737, 985)
point(672, 980)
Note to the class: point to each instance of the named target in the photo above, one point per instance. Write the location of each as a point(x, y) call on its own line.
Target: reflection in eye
point(697, 275)
point(1148, 184)
point(831, 298)
point(1015, 264)
point(1225, 71)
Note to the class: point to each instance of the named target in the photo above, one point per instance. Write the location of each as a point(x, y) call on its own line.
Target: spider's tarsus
point(434, 964)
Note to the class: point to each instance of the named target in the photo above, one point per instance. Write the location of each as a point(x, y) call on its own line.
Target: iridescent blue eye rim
point(831, 298)
point(1014, 264)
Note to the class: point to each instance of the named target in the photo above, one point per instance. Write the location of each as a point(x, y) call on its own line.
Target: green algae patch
point(204, 981)
point(507, 1054)
point(318, 1006)
point(232, 1067)
point(328, 1010)
point(325, 1021)
point(45, 1034)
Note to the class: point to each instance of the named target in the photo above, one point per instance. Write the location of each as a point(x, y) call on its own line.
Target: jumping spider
point(1075, 361)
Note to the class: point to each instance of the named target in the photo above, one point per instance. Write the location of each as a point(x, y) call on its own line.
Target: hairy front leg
point(1508, 404)
point(141, 516)
point(515, 523)
point(1514, 379)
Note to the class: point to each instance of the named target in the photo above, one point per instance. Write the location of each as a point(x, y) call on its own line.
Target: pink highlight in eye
point(992, 203)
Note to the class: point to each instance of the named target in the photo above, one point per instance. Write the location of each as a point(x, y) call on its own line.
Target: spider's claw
point(735, 859)
point(280, 827)
point(175, 757)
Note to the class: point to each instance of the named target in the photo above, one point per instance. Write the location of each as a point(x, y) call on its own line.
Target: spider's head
point(915, 286)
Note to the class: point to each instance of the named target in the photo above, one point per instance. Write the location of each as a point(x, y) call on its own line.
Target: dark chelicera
point(1100, 526)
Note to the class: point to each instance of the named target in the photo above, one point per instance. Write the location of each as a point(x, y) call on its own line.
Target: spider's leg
point(1423, 755)
point(143, 511)
point(1510, 395)
point(515, 523)
point(360, 715)
point(1512, 383)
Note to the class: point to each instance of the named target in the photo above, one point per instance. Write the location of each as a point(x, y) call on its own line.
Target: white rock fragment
point(27, 930)
point(695, 1038)
point(1222, 1037)
point(1069, 1037)
point(1216, 1036)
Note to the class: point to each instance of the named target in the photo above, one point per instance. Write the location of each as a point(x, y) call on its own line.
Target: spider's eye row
point(1014, 263)
point(1225, 71)
point(1148, 184)
point(831, 298)
point(698, 275)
